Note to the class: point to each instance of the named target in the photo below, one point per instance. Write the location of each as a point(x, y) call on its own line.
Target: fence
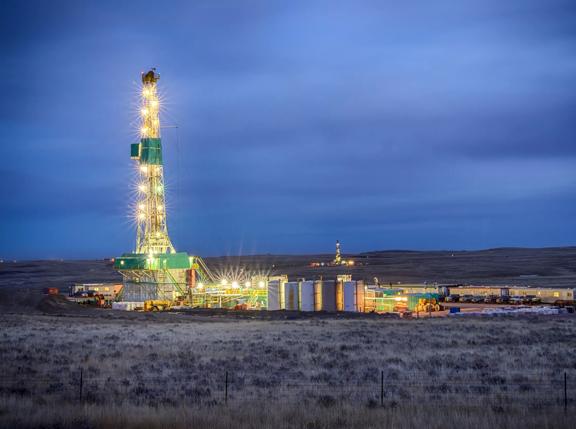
point(492, 390)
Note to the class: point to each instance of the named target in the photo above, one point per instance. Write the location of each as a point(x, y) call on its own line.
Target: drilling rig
point(338, 257)
point(155, 270)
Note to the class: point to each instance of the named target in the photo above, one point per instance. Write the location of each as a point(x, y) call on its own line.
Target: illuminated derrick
point(155, 271)
point(338, 257)
point(152, 231)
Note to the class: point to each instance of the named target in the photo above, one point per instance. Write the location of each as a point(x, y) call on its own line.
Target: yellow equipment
point(157, 305)
point(427, 305)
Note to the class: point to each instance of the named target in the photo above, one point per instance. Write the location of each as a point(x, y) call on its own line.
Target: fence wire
point(530, 389)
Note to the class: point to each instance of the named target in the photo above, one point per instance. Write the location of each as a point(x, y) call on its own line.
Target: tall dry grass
point(312, 374)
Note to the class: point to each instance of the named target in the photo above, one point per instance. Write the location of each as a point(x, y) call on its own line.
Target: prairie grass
point(315, 373)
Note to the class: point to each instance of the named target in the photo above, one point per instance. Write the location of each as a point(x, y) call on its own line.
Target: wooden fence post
point(381, 388)
point(81, 385)
point(226, 389)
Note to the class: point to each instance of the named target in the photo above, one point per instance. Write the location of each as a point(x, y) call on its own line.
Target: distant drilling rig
point(154, 271)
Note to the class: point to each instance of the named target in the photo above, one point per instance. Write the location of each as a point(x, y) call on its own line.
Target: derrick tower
point(338, 256)
point(154, 271)
point(152, 231)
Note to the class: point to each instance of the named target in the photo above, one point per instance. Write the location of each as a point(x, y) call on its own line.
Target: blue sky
point(386, 125)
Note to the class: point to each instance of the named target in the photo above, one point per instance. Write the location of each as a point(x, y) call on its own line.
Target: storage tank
point(307, 295)
point(274, 295)
point(360, 296)
point(328, 295)
point(339, 295)
point(350, 296)
point(318, 295)
point(291, 296)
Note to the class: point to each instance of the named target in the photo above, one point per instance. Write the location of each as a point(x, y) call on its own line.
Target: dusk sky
point(384, 124)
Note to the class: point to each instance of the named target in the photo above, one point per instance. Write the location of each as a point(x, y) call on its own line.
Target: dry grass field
point(169, 371)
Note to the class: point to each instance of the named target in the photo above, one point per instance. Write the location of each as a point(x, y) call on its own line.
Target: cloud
point(383, 123)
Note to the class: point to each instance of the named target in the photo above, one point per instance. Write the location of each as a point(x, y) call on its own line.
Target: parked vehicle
point(85, 294)
point(527, 300)
point(516, 300)
point(452, 298)
point(477, 299)
point(504, 299)
point(491, 299)
point(157, 305)
point(466, 298)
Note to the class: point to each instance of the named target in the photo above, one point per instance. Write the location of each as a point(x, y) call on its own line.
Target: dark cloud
point(386, 125)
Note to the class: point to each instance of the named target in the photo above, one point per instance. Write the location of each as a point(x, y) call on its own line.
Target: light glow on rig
point(224, 282)
point(152, 231)
point(261, 284)
point(247, 284)
point(235, 285)
point(200, 285)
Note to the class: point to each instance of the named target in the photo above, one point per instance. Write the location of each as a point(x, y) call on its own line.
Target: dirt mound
point(58, 304)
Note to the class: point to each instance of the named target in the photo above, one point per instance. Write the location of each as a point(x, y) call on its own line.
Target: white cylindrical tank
point(318, 295)
point(360, 291)
point(339, 295)
point(307, 295)
point(328, 295)
point(274, 295)
point(291, 296)
point(350, 294)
